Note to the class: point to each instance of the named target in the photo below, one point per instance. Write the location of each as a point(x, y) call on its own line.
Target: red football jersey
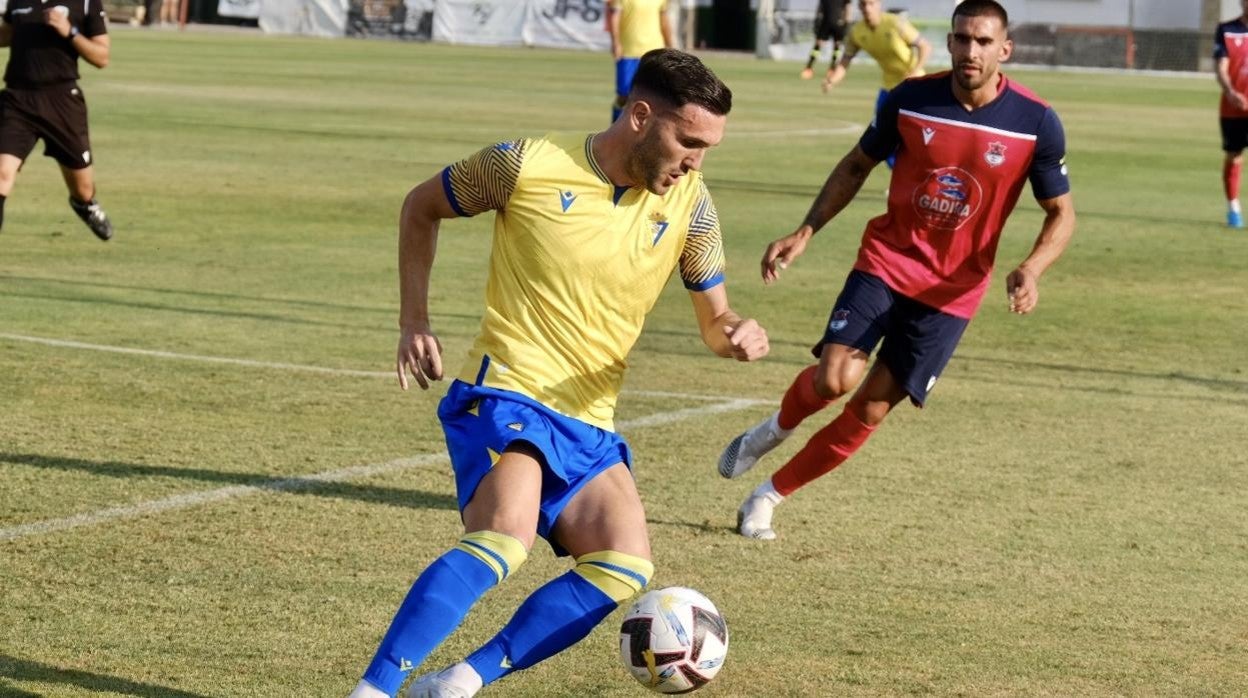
point(957, 177)
point(1231, 42)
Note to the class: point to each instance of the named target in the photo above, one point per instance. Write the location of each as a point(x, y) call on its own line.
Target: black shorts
point(56, 114)
point(1234, 135)
point(918, 339)
point(831, 29)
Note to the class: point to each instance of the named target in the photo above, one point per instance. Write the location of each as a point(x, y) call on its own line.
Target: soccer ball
point(673, 640)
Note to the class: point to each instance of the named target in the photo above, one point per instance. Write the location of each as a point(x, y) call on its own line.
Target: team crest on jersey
point(996, 153)
point(840, 320)
point(658, 226)
point(948, 198)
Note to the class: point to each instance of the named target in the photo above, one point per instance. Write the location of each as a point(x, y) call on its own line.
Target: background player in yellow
point(893, 42)
point(636, 26)
point(588, 229)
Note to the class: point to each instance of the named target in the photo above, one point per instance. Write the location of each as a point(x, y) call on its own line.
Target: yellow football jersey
point(576, 264)
point(639, 25)
point(890, 44)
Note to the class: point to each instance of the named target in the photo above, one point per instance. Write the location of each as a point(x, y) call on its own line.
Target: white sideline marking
point(294, 484)
point(65, 343)
point(191, 499)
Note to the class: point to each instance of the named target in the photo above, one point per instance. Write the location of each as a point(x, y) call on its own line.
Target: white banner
point(485, 22)
point(242, 9)
point(309, 17)
point(567, 23)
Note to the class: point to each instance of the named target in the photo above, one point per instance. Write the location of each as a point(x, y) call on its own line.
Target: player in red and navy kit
point(966, 142)
point(1230, 52)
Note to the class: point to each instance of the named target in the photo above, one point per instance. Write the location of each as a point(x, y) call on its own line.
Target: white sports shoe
point(754, 443)
point(438, 685)
point(754, 517)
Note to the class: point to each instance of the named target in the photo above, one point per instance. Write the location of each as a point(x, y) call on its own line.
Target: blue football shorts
point(477, 420)
point(918, 339)
point(625, 71)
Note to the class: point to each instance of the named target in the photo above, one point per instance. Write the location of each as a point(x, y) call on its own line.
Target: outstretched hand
point(420, 353)
point(748, 340)
point(1021, 289)
point(783, 252)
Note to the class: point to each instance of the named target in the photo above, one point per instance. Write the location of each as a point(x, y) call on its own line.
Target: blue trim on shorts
point(478, 420)
point(485, 368)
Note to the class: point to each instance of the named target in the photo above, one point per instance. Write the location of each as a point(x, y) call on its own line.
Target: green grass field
point(210, 484)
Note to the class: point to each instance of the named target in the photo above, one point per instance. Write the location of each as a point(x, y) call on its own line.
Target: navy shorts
point(1234, 135)
point(480, 423)
point(918, 339)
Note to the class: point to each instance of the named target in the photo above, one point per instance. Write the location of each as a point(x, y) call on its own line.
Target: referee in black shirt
point(41, 98)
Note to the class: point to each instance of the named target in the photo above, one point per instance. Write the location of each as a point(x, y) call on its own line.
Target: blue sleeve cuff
point(708, 284)
point(450, 192)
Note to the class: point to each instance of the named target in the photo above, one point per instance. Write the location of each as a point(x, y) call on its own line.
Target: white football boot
point(754, 516)
point(451, 682)
point(754, 443)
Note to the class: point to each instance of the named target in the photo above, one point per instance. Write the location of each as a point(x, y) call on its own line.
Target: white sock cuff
point(463, 676)
point(768, 492)
point(775, 425)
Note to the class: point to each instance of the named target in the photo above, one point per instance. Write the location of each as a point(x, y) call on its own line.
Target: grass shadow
point(412, 499)
point(15, 669)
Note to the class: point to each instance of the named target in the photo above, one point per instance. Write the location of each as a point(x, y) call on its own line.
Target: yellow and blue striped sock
point(438, 602)
point(562, 612)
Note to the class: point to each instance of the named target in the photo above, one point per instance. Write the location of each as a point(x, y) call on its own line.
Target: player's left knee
point(618, 575)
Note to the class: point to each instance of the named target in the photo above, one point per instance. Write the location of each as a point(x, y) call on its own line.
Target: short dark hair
point(982, 8)
point(678, 78)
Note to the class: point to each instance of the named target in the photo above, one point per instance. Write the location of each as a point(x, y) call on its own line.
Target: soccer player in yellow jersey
point(636, 26)
point(894, 43)
point(588, 228)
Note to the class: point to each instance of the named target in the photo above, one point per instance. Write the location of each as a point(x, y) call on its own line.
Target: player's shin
point(1230, 179)
point(828, 448)
point(562, 612)
point(800, 400)
point(438, 602)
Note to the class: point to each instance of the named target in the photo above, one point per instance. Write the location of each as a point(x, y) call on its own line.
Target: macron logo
point(565, 199)
point(405, 665)
point(928, 134)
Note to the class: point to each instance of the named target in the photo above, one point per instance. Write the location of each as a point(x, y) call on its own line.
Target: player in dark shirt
point(42, 99)
point(831, 22)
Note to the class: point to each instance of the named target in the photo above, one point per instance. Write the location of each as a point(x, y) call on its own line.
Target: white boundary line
point(68, 344)
point(294, 484)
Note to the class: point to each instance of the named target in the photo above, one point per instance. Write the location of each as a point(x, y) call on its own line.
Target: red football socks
point(828, 448)
point(800, 400)
point(1230, 179)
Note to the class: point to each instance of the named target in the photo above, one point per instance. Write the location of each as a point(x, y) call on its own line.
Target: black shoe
point(94, 217)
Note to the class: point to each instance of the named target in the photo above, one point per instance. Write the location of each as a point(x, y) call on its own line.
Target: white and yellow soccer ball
point(673, 640)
